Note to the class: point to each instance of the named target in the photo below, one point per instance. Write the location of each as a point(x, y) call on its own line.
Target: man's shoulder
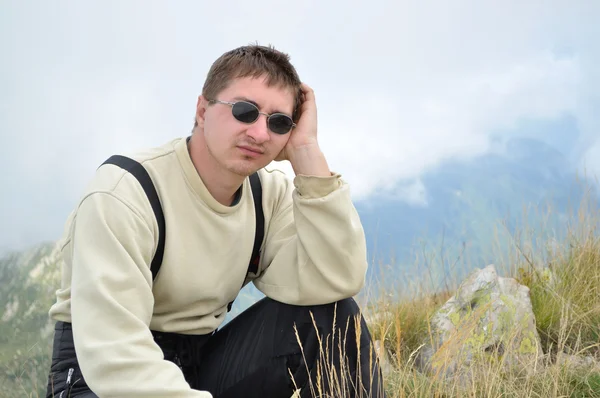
point(112, 188)
point(149, 156)
point(110, 178)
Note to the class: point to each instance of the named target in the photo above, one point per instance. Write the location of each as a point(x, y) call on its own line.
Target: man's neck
point(220, 183)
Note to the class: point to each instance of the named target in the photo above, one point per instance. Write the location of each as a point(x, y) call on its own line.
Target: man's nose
point(259, 130)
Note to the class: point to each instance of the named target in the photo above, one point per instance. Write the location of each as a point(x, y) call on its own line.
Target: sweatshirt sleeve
point(112, 304)
point(315, 248)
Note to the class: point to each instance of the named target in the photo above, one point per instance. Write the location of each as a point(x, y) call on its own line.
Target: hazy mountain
point(471, 207)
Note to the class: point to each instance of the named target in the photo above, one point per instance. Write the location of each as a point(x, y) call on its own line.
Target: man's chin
point(247, 169)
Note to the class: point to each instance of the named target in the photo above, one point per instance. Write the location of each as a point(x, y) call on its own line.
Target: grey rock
point(583, 362)
point(490, 318)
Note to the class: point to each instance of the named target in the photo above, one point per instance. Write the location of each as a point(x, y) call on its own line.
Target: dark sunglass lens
point(280, 124)
point(245, 112)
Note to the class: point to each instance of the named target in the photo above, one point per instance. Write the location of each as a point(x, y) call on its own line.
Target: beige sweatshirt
point(314, 252)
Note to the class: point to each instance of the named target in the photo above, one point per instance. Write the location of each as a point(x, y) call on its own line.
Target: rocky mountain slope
point(27, 283)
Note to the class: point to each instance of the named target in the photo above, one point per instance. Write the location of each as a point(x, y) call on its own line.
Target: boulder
point(578, 362)
point(490, 318)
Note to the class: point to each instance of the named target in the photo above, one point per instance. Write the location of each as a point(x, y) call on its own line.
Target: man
point(124, 330)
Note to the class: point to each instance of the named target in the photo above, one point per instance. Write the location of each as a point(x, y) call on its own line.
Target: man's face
point(238, 147)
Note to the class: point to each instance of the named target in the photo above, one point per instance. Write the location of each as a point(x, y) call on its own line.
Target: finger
point(308, 93)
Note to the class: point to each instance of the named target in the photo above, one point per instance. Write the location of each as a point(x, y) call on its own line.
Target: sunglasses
point(248, 113)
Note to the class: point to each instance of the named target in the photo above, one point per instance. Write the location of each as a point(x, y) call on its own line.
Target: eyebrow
point(239, 98)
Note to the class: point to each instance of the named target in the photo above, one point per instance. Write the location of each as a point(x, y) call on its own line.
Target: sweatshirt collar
point(197, 185)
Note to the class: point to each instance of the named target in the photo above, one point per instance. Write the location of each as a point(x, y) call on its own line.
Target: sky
point(401, 86)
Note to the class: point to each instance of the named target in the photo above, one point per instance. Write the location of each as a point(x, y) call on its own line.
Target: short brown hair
point(253, 61)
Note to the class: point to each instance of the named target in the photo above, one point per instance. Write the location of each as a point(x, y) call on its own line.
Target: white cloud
point(412, 192)
point(590, 164)
point(401, 87)
point(379, 140)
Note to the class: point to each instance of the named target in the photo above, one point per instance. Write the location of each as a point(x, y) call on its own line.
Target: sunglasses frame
point(232, 104)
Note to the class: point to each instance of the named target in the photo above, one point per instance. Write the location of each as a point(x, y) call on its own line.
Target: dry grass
point(563, 276)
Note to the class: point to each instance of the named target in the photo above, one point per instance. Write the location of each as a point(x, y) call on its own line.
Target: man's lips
point(250, 150)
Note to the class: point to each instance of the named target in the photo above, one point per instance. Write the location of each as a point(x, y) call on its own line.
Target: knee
point(346, 307)
point(340, 309)
point(341, 313)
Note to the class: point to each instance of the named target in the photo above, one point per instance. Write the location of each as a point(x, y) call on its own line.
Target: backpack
point(141, 174)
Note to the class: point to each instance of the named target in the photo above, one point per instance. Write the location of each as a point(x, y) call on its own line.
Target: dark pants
point(269, 350)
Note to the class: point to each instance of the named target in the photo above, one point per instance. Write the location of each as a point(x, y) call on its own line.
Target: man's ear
point(201, 106)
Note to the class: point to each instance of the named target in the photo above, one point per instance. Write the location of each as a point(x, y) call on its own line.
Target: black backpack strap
point(256, 187)
point(140, 173)
point(260, 222)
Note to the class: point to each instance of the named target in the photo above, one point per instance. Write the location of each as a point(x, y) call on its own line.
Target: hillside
point(27, 284)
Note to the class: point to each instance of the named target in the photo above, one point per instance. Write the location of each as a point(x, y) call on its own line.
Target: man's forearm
point(309, 160)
